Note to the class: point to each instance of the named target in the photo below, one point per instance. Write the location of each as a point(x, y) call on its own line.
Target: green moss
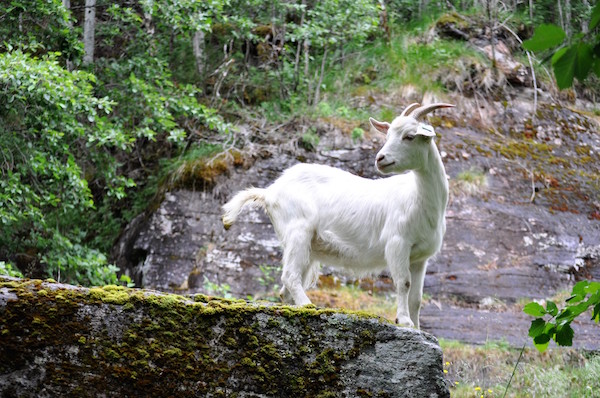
point(248, 362)
point(110, 294)
point(111, 354)
point(163, 343)
point(173, 352)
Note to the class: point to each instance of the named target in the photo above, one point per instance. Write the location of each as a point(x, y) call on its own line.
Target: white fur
point(326, 215)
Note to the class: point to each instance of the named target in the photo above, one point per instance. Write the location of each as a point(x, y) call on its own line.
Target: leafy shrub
point(310, 140)
point(585, 295)
point(8, 269)
point(54, 131)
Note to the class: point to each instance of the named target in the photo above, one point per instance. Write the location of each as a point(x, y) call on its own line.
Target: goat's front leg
point(417, 276)
point(397, 255)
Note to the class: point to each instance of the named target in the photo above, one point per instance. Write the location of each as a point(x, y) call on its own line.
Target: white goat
point(326, 215)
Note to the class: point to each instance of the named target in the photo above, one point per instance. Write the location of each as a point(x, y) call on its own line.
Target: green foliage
point(585, 295)
point(546, 37)
point(217, 289)
point(38, 26)
point(8, 269)
point(475, 371)
point(572, 57)
point(310, 139)
point(52, 124)
point(357, 134)
point(68, 136)
point(268, 279)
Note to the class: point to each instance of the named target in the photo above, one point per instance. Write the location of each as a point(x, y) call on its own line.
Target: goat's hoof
point(404, 321)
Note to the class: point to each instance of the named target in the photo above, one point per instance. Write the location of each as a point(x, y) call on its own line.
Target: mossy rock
point(453, 25)
point(60, 340)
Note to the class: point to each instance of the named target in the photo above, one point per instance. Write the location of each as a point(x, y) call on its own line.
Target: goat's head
point(408, 141)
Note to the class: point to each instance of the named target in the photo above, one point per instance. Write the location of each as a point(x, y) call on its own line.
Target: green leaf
point(595, 17)
point(583, 64)
point(564, 336)
point(565, 314)
point(579, 291)
point(579, 308)
point(546, 36)
point(534, 309)
point(551, 308)
point(563, 64)
point(541, 342)
point(542, 347)
point(537, 327)
point(593, 287)
point(596, 313)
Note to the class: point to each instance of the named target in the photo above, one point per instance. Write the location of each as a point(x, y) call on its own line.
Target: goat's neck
point(432, 183)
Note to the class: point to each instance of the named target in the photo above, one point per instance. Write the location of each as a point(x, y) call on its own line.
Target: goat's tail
point(232, 209)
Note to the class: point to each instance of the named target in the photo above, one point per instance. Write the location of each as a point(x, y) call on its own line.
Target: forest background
point(102, 101)
point(102, 104)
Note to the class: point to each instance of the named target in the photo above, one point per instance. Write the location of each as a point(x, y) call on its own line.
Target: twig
point(514, 370)
point(531, 172)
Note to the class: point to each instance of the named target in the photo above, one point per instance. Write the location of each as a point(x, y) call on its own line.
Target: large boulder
point(61, 340)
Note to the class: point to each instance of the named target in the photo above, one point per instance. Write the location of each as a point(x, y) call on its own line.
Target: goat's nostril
point(380, 157)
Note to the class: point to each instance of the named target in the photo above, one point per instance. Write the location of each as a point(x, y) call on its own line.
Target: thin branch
point(514, 370)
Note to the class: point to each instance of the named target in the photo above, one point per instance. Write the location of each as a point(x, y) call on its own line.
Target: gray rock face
point(500, 245)
point(59, 340)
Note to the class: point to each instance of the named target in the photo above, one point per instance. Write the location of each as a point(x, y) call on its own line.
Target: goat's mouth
point(382, 166)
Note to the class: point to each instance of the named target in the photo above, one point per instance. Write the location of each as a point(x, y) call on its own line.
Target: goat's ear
point(382, 127)
point(425, 130)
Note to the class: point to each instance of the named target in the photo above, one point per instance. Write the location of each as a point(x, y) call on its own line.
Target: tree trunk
point(298, 50)
point(530, 10)
point(560, 14)
point(306, 46)
point(585, 21)
point(198, 46)
point(384, 22)
point(568, 18)
point(89, 28)
point(67, 5)
point(422, 7)
point(318, 88)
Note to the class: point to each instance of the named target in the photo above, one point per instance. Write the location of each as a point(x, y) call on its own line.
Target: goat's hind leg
point(308, 279)
point(296, 264)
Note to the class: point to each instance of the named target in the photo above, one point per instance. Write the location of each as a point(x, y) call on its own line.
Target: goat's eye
point(408, 137)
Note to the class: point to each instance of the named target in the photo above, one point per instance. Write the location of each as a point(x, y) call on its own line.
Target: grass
point(484, 371)
point(471, 182)
point(405, 61)
point(354, 298)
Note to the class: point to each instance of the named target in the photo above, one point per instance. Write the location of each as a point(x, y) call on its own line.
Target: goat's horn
point(410, 108)
point(424, 110)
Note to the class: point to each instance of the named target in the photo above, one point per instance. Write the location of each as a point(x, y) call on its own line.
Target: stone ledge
point(61, 340)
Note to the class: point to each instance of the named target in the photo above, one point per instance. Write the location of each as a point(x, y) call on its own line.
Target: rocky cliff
point(60, 340)
point(523, 219)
